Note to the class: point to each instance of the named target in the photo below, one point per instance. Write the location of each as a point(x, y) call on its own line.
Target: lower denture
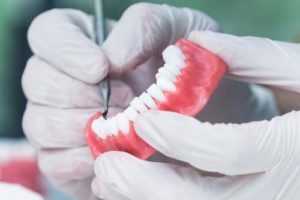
point(194, 85)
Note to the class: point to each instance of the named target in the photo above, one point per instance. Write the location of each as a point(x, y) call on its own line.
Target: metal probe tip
point(100, 30)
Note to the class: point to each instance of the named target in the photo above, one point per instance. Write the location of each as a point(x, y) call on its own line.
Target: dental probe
point(100, 31)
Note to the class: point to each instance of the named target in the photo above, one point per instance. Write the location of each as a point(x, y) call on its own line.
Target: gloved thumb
point(255, 60)
point(229, 149)
point(145, 29)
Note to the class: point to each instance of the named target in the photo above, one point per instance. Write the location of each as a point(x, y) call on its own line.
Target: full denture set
point(183, 85)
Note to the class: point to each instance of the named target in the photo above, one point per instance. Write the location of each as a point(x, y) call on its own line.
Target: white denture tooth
point(166, 85)
point(101, 119)
point(156, 92)
point(138, 105)
point(164, 73)
point(173, 69)
point(99, 128)
point(176, 62)
point(172, 51)
point(131, 113)
point(96, 124)
point(112, 126)
point(173, 56)
point(148, 101)
point(122, 122)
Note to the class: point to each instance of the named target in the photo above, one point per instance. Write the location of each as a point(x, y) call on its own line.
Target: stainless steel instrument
point(100, 30)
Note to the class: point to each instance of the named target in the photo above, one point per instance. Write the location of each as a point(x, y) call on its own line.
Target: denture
point(183, 85)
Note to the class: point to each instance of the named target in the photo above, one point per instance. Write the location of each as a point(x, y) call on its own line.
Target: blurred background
point(276, 19)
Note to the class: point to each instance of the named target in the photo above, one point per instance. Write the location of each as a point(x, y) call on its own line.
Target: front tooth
point(122, 122)
point(173, 69)
point(99, 128)
point(147, 99)
point(131, 113)
point(164, 73)
point(156, 92)
point(102, 119)
point(166, 85)
point(112, 126)
point(137, 104)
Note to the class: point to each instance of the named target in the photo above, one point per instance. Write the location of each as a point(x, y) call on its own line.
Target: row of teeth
point(165, 82)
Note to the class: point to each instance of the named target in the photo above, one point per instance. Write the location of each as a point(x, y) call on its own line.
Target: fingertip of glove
point(144, 120)
point(219, 43)
point(110, 162)
point(202, 38)
point(110, 158)
point(97, 189)
point(97, 67)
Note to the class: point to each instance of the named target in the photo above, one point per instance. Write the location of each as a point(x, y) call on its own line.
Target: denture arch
point(183, 85)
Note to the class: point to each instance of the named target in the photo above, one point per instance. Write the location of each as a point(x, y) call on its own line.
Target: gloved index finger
point(228, 149)
point(61, 37)
point(255, 60)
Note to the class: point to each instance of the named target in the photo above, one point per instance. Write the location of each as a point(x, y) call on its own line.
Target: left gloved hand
point(256, 160)
point(61, 79)
point(17, 192)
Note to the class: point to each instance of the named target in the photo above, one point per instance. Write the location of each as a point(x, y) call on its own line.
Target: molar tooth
point(112, 126)
point(177, 62)
point(164, 73)
point(174, 70)
point(147, 99)
point(137, 104)
point(171, 51)
point(99, 128)
point(131, 113)
point(122, 122)
point(156, 92)
point(173, 56)
point(166, 85)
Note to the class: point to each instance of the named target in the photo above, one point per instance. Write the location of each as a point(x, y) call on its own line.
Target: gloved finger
point(43, 84)
point(48, 127)
point(137, 179)
point(77, 189)
point(229, 149)
point(256, 60)
point(62, 38)
point(103, 191)
point(17, 192)
point(66, 165)
point(146, 29)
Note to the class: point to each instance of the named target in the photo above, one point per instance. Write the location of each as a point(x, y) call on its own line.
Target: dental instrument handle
point(100, 31)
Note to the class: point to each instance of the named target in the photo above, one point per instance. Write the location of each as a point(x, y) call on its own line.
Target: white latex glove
point(60, 81)
point(256, 160)
point(16, 192)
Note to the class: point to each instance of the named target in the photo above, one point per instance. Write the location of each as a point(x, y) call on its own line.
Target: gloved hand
point(60, 80)
point(256, 160)
point(17, 192)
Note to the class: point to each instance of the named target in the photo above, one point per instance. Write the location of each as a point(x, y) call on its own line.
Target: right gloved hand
point(60, 80)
